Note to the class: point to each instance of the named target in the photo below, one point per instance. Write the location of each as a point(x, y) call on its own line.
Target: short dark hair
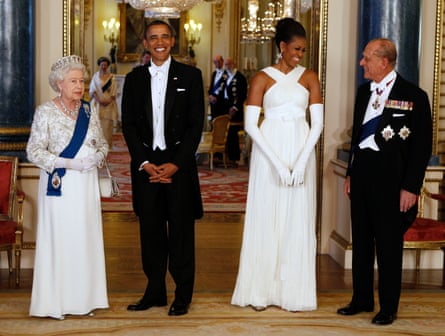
point(159, 22)
point(287, 29)
point(103, 59)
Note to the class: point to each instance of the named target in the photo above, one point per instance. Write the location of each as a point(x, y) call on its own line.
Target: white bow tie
point(375, 86)
point(156, 70)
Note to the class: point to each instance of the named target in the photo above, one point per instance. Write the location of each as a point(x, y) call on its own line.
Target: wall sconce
point(111, 35)
point(111, 31)
point(192, 35)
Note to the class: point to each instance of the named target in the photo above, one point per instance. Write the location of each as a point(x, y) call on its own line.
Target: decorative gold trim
point(437, 73)
point(66, 27)
point(12, 146)
point(322, 56)
point(69, 28)
point(15, 130)
point(218, 9)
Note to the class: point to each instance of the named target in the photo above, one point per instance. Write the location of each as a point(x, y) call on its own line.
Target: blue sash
point(217, 88)
point(107, 85)
point(80, 131)
point(366, 130)
point(369, 128)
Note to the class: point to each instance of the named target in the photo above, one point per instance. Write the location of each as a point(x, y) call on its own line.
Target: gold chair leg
point(211, 161)
point(18, 254)
point(418, 260)
point(10, 260)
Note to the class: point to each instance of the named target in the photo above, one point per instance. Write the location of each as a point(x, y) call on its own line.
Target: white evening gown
point(277, 262)
point(69, 267)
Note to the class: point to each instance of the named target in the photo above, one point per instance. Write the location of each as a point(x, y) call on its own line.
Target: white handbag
point(108, 184)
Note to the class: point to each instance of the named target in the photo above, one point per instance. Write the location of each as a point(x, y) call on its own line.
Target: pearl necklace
point(71, 113)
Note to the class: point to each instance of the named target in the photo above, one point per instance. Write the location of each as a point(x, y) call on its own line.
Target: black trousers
point(377, 228)
point(167, 236)
point(232, 145)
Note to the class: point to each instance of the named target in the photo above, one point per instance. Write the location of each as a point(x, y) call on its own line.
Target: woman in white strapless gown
point(278, 254)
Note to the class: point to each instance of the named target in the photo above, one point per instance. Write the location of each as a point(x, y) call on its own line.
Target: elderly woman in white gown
point(67, 144)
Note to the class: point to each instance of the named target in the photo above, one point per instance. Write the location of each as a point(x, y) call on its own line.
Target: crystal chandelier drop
point(255, 29)
point(163, 8)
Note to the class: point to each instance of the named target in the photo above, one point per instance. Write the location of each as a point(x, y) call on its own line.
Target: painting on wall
point(131, 33)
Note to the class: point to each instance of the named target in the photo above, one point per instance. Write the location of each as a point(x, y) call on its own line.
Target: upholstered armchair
point(215, 141)
point(426, 233)
point(11, 212)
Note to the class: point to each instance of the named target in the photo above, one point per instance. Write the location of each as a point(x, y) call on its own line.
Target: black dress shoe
point(177, 309)
point(144, 305)
point(352, 309)
point(384, 318)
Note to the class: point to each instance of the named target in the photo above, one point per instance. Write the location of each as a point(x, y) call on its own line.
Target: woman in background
point(103, 91)
point(277, 263)
point(67, 144)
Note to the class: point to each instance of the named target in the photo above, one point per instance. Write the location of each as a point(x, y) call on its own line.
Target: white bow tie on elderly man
point(380, 86)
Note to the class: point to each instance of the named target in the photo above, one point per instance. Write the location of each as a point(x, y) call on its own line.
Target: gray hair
point(62, 67)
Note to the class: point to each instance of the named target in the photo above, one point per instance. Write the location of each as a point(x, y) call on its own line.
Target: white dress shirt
point(159, 78)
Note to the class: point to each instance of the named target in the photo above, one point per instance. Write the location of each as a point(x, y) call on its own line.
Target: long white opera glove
point(298, 171)
point(251, 126)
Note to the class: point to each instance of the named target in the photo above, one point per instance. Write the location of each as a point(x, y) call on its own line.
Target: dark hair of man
point(158, 22)
point(287, 29)
point(386, 49)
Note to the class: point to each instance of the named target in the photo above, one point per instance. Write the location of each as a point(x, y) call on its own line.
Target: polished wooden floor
point(218, 241)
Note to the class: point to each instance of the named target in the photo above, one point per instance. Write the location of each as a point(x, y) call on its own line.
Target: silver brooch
point(404, 132)
point(55, 181)
point(387, 133)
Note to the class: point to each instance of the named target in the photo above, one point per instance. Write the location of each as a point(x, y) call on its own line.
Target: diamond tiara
point(60, 63)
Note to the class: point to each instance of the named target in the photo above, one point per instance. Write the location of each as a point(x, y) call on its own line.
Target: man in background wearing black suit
point(390, 149)
point(216, 88)
point(235, 93)
point(162, 121)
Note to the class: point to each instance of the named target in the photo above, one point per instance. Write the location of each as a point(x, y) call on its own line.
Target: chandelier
point(255, 29)
point(163, 8)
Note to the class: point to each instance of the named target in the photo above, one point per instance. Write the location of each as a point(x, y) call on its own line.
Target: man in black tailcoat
point(162, 121)
point(390, 149)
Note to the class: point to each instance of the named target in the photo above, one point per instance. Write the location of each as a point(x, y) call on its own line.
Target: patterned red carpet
point(223, 189)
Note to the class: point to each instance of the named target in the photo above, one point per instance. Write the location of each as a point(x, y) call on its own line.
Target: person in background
point(278, 253)
point(145, 58)
point(162, 121)
point(103, 91)
point(235, 93)
point(67, 144)
point(390, 148)
point(216, 89)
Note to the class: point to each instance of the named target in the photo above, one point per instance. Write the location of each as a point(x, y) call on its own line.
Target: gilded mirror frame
point(75, 21)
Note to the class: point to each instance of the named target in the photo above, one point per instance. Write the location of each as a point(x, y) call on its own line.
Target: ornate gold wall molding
point(218, 9)
point(437, 74)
